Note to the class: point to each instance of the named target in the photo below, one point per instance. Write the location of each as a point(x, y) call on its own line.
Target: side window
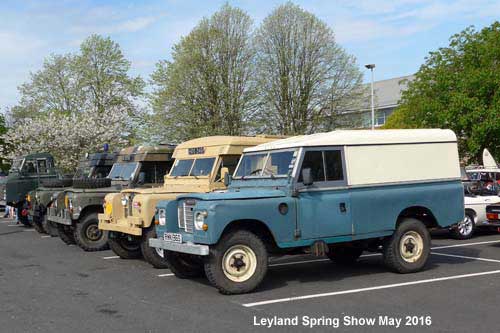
point(227, 161)
point(313, 160)
point(333, 161)
point(42, 166)
point(29, 167)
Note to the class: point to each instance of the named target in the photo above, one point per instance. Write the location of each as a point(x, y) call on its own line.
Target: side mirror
point(307, 177)
point(227, 179)
point(223, 172)
point(142, 178)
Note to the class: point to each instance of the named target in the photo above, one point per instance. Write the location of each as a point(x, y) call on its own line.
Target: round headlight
point(199, 220)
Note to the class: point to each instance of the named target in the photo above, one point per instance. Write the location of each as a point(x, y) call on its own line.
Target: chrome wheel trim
point(411, 246)
point(239, 263)
point(465, 227)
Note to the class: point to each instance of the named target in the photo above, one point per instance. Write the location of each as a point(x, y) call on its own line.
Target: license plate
point(172, 237)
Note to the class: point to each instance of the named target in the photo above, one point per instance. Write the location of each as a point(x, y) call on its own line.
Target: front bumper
point(488, 223)
point(197, 249)
point(129, 225)
point(63, 217)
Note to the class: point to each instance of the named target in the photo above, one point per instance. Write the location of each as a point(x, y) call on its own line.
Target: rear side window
point(325, 165)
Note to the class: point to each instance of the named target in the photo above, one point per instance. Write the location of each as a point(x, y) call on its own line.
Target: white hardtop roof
point(360, 137)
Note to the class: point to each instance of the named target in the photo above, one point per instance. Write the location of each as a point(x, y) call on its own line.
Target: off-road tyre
point(151, 254)
point(37, 225)
point(125, 248)
point(344, 255)
point(49, 227)
point(465, 229)
point(227, 250)
point(66, 234)
point(55, 182)
point(183, 265)
point(88, 228)
point(91, 182)
point(412, 236)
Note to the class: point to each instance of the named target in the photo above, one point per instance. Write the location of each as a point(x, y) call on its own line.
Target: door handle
point(342, 207)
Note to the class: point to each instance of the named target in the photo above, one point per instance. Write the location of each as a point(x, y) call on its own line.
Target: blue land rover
point(335, 194)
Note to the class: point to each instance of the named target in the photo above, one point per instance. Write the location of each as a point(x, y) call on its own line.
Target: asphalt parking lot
point(47, 286)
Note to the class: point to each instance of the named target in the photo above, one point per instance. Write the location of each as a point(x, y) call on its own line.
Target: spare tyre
point(55, 182)
point(91, 182)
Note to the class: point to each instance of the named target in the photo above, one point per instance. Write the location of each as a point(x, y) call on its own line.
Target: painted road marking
point(112, 257)
point(360, 290)
point(46, 236)
point(464, 257)
point(164, 275)
point(29, 230)
point(464, 244)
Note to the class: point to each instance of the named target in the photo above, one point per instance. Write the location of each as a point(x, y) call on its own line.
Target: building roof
point(360, 137)
point(387, 94)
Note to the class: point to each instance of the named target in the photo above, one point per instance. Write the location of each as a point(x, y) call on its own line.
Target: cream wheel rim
point(239, 263)
point(411, 246)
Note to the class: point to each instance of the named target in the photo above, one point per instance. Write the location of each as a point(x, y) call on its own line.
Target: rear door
point(324, 207)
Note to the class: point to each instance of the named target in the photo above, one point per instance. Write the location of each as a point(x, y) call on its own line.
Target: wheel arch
point(257, 227)
point(421, 213)
point(89, 210)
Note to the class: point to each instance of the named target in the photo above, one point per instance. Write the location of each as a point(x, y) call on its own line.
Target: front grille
point(185, 215)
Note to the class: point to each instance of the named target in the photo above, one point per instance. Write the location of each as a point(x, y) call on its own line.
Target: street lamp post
point(371, 67)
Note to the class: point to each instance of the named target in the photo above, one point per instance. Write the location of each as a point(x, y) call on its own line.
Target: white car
point(475, 215)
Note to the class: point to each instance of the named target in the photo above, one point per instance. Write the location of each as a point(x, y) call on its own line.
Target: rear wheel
point(238, 263)
point(88, 236)
point(66, 234)
point(344, 255)
point(50, 227)
point(464, 229)
point(408, 248)
point(38, 225)
point(125, 248)
point(153, 255)
point(184, 265)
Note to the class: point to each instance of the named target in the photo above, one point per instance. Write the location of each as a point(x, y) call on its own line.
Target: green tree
point(3, 129)
point(458, 87)
point(207, 88)
point(304, 76)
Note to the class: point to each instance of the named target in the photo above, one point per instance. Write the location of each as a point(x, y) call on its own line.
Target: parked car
point(91, 166)
point(338, 193)
point(26, 174)
point(200, 166)
point(493, 215)
point(75, 210)
point(3, 178)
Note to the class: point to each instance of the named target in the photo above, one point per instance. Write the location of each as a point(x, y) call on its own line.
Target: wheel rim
point(465, 227)
point(130, 245)
point(160, 252)
point(93, 233)
point(411, 246)
point(239, 263)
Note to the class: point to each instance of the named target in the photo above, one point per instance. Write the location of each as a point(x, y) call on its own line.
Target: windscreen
point(273, 164)
point(123, 171)
point(16, 164)
point(193, 167)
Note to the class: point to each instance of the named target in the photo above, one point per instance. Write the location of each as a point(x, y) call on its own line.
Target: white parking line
point(464, 257)
point(46, 236)
point(29, 230)
point(464, 244)
point(353, 291)
point(13, 225)
point(164, 275)
point(112, 257)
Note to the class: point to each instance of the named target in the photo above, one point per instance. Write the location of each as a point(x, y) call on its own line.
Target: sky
point(394, 35)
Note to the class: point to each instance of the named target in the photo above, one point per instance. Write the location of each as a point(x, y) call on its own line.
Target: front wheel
point(88, 236)
point(49, 227)
point(125, 248)
point(408, 248)
point(66, 234)
point(184, 265)
point(153, 255)
point(238, 263)
point(465, 228)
